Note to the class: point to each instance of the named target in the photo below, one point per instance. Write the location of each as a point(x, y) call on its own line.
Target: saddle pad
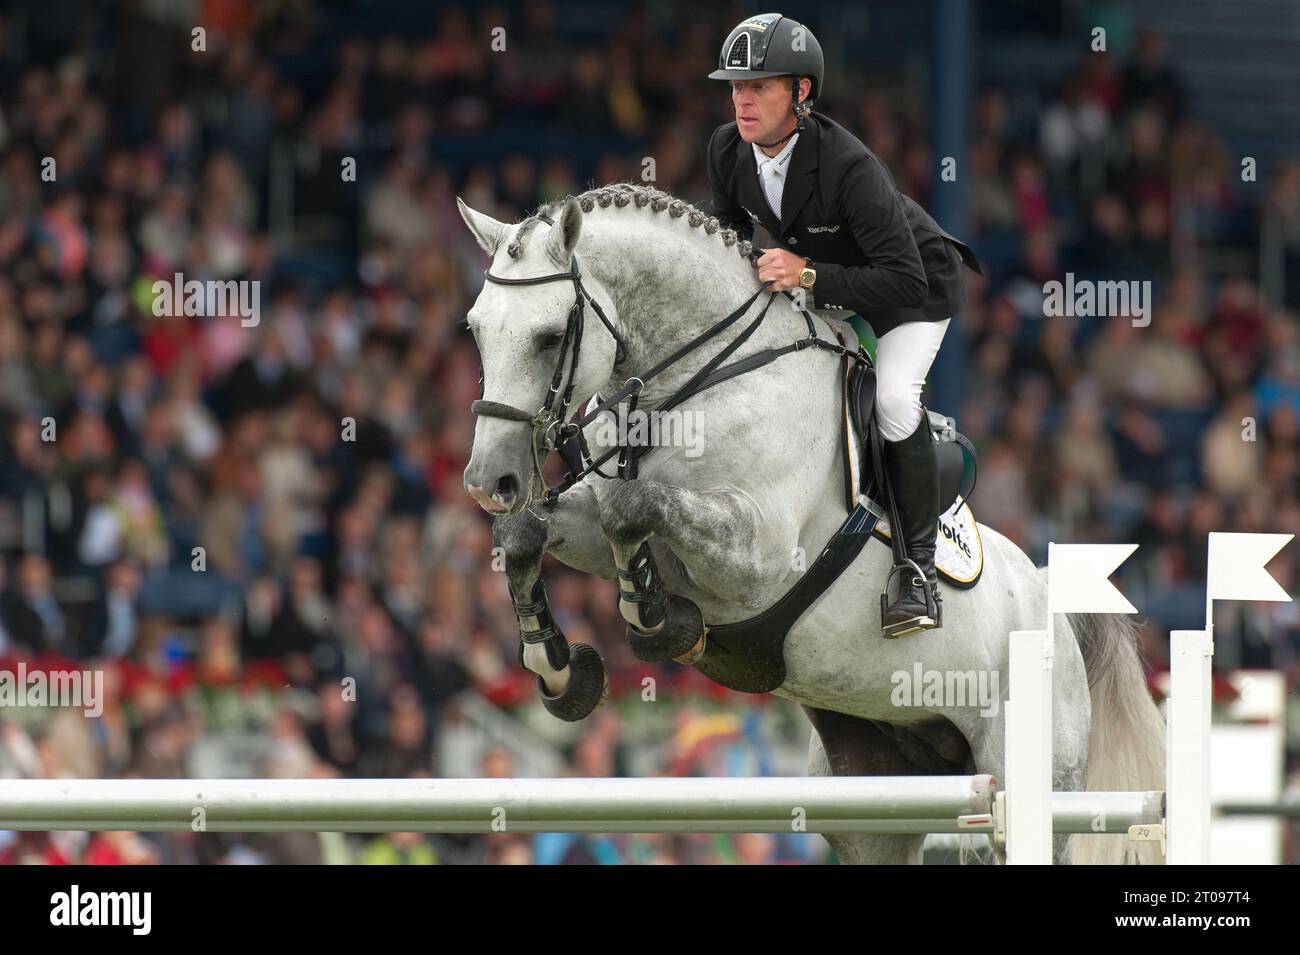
point(959, 556)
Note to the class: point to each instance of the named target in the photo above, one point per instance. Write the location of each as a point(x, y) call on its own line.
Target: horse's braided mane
point(620, 194)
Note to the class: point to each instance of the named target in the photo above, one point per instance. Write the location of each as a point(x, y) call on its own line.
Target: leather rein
point(551, 429)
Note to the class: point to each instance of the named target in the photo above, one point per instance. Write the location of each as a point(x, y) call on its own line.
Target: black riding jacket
point(875, 250)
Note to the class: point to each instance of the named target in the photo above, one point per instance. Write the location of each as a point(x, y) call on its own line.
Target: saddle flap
point(862, 395)
point(859, 401)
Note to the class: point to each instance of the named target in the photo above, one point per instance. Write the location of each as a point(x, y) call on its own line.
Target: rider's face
point(762, 107)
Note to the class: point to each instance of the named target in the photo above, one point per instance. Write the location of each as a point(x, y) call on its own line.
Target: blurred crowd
point(259, 532)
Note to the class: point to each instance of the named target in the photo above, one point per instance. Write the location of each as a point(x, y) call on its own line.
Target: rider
point(846, 235)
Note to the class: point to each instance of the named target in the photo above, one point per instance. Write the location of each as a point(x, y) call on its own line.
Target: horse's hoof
point(680, 636)
point(588, 686)
point(692, 656)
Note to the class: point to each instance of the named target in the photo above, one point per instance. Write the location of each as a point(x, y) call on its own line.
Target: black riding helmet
point(772, 45)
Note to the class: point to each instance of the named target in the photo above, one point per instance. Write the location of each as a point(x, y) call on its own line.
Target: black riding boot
point(913, 471)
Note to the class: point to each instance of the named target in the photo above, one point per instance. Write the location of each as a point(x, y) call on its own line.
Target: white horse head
point(658, 269)
point(521, 335)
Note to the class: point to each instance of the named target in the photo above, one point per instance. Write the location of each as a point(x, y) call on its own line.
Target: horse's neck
point(669, 288)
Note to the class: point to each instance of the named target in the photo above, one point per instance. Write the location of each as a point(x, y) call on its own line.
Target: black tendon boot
point(913, 471)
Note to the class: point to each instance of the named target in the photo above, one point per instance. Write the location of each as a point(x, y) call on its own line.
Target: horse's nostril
point(507, 487)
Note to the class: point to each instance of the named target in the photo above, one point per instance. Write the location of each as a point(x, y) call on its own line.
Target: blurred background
point(330, 559)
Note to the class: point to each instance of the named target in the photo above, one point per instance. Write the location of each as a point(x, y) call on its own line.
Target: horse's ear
point(486, 230)
point(563, 237)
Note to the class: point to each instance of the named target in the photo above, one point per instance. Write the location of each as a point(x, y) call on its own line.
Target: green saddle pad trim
point(866, 337)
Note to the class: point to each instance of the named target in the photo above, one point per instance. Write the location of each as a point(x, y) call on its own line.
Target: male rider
point(849, 238)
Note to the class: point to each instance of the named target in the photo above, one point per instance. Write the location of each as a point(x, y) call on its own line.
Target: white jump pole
point(911, 804)
point(1187, 715)
point(1029, 749)
point(897, 804)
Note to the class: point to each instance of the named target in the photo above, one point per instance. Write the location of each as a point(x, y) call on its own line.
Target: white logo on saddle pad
point(959, 556)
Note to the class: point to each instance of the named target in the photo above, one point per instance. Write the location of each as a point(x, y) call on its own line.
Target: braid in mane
point(622, 194)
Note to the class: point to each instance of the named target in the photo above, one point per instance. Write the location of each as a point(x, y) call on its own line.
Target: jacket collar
point(798, 180)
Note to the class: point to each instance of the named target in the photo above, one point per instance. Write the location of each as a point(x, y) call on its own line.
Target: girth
point(750, 655)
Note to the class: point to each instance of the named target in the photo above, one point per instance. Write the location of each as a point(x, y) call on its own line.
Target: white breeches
point(903, 358)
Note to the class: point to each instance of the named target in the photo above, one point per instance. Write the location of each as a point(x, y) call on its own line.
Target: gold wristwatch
point(807, 276)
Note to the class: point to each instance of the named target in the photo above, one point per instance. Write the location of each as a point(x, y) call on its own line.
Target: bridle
point(551, 429)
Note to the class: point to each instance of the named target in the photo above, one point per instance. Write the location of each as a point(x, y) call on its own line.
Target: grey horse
point(719, 536)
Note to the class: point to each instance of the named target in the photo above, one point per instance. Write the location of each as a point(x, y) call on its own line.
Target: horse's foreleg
point(571, 677)
point(717, 531)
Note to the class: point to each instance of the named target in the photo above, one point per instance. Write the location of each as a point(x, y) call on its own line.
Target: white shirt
point(771, 172)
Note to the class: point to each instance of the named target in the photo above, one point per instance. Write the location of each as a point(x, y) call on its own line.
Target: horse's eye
point(549, 342)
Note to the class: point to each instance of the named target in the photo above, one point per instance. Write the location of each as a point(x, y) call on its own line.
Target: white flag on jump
point(1077, 578)
point(1236, 566)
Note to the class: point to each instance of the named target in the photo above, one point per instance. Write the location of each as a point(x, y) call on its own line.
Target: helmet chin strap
point(800, 112)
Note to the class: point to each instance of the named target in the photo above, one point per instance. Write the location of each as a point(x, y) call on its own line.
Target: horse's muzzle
point(495, 503)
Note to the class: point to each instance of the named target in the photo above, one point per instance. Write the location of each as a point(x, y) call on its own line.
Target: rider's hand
point(780, 269)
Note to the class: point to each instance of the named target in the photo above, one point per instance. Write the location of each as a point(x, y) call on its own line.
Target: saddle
point(863, 451)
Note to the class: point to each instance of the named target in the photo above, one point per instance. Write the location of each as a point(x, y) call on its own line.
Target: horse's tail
point(1126, 748)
